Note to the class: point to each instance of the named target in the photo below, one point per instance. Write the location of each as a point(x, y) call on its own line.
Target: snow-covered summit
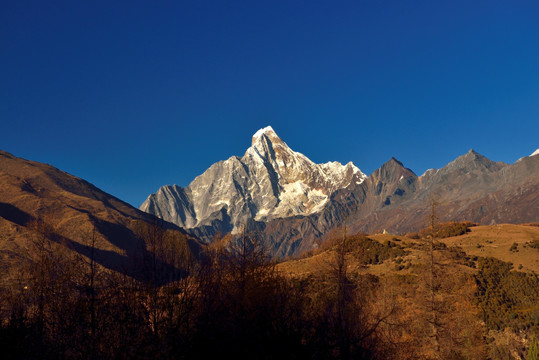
point(536, 152)
point(265, 142)
point(268, 131)
point(270, 181)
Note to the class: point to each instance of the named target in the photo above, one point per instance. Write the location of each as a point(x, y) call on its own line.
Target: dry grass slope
point(481, 241)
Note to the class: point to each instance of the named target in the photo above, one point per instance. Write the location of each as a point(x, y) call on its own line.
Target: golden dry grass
point(496, 240)
point(484, 241)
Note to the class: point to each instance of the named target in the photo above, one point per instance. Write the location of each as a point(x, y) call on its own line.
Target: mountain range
point(291, 204)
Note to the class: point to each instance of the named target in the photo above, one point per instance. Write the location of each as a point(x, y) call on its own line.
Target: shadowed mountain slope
point(38, 201)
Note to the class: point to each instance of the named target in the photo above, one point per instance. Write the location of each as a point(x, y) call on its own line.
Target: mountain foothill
point(42, 206)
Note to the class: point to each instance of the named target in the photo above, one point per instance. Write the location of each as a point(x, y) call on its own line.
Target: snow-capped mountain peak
point(270, 181)
point(269, 146)
point(267, 131)
point(536, 152)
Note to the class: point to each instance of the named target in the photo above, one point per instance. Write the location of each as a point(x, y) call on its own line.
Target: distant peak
point(392, 163)
point(395, 164)
point(471, 160)
point(536, 152)
point(472, 154)
point(268, 132)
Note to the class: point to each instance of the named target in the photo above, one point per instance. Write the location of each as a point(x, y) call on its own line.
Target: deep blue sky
point(137, 94)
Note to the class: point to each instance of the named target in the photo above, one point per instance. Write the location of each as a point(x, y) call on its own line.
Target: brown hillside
point(38, 200)
point(496, 241)
point(482, 241)
point(465, 286)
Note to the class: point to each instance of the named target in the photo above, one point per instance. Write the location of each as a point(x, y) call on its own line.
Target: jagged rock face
point(270, 181)
point(393, 198)
point(390, 181)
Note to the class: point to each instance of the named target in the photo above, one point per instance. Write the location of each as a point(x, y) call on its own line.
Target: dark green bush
point(368, 251)
point(507, 298)
point(445, 230)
